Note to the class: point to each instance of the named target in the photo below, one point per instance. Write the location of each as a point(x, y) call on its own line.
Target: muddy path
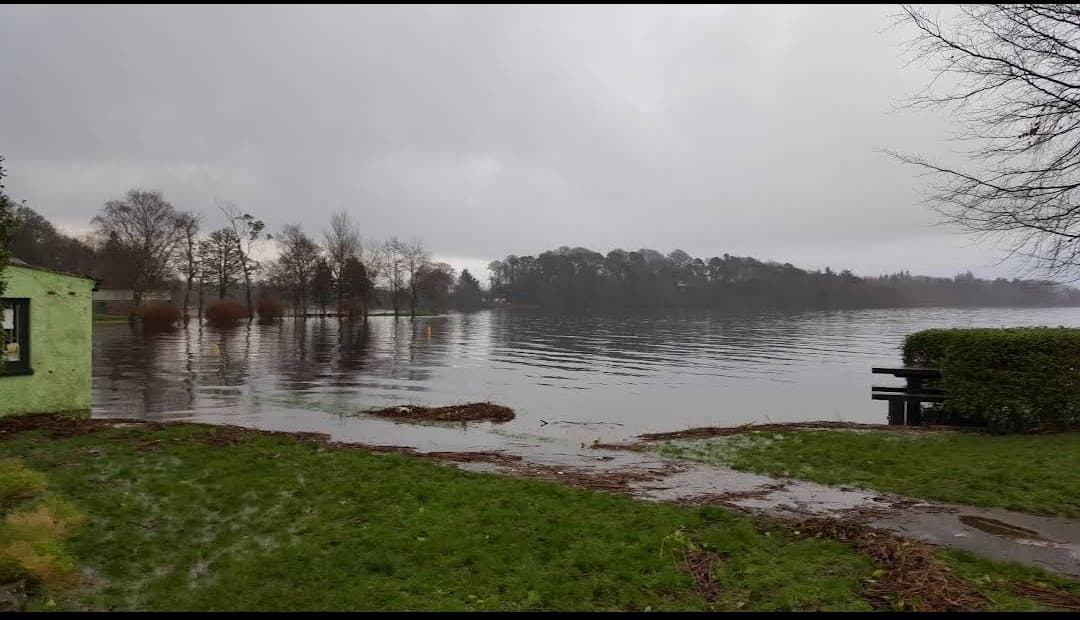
point(1051, 543)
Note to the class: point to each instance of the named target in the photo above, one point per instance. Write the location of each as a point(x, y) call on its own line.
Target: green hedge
point(1006, 379)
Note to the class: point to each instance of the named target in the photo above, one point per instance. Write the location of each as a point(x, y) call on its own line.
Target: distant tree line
point(142, 243)
point(578, 278)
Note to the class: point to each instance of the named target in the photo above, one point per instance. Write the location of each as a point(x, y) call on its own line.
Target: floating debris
point(469, 412)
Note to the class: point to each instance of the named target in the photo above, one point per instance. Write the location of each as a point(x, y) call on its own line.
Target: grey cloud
point(490, 130)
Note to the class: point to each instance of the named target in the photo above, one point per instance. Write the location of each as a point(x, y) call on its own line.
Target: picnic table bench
point(905, 403)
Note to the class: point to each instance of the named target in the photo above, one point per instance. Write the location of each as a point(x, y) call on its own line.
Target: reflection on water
point(579, 377)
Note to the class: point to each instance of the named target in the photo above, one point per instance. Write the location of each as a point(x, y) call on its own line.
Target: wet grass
point(1028, 473)
point(272, 523)
point(997, 580)
point(177, 520)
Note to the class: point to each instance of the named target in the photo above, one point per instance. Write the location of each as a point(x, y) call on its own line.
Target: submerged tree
point(322, 284)
point(392, 260)
point(296, 265)
point(189, 257)
point(416, 262)
point(354, 286)
point(342, 244)
point(220, 261)
point(1010, 73)
point(435, 282)
point(249, 233)
point(149, 229)
point(467, 295)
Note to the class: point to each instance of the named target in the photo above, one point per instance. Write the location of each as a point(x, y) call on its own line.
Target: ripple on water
point(646, 373)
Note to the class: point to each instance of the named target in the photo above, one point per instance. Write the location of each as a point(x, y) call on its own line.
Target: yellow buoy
point(429, 331)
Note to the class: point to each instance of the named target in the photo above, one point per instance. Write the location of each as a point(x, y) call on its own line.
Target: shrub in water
point(350, 309)
point(268, 309)
point(159, 316)
point(226, 313)
point(1006, 379)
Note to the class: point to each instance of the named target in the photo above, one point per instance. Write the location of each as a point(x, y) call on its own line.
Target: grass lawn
point(177, 520)
point(1029, 473)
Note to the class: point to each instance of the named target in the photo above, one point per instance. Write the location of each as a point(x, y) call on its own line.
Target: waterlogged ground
point(180, 519)
point(1029, 473)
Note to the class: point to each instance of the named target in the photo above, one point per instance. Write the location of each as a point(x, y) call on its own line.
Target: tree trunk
point(247, 291)
point(136, 303)
point(244, 258)
point(187, 300)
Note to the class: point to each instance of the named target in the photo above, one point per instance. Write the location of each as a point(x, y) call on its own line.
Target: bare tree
point(189, 256)
point(415, 260)
point(1011, 76)
point(149, 228)
point(249, 233)
point(202, 289)
point(372, 260)
point(296, 265)
point(322, 285)
point(342, 243)
point(392, 262)
point(221, 261)
point(355, 285)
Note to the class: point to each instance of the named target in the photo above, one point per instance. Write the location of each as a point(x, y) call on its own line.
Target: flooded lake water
point(568, 378)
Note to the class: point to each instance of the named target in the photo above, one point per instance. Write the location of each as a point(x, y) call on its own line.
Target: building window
point(15, 337)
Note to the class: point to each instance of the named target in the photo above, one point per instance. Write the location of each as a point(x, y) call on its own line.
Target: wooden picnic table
point(921, 372)
point(905, 403)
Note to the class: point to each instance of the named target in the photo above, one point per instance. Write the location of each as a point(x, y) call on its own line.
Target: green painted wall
point(61, 343)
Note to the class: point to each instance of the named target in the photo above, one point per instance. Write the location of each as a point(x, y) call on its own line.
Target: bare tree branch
point(1014, 90)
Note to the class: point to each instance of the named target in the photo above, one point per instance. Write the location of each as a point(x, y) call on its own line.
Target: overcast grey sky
point(491, 130)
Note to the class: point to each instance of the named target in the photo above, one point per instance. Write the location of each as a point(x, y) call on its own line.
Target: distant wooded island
point(579, 278)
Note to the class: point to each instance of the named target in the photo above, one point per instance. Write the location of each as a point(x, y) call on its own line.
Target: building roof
point(16, 262)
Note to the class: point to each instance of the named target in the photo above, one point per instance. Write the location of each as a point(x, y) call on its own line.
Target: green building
point(45, 341)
